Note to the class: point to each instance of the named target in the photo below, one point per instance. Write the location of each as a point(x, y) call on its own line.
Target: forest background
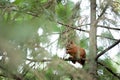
point(33, 36)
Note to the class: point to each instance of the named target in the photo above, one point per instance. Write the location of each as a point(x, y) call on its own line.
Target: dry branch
point(103, 52)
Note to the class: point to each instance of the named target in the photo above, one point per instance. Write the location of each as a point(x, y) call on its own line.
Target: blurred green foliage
point(27, 55)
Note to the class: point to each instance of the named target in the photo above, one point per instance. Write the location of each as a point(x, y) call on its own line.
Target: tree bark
point(93, 42)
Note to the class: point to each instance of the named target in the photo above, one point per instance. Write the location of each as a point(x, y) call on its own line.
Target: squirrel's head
point(69, 44)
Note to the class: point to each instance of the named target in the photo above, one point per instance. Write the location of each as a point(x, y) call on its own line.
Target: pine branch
point(109, 70)
point(37, 60)
point(104, 51)
point(73, 59)
point(47, 60)
point(10, 74)
point(113, 60)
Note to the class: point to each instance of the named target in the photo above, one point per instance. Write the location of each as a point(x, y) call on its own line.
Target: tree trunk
point(93, 42)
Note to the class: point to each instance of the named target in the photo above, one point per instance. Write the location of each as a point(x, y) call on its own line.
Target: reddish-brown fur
point(76, 52)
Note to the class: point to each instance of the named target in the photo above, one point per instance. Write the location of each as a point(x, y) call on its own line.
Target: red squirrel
point(77, 54)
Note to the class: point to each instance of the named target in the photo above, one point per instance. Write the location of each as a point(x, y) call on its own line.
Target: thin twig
point(102, 13)
point(107, 37)
point(108, 27)
point(72, 27)
point(84, 30)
